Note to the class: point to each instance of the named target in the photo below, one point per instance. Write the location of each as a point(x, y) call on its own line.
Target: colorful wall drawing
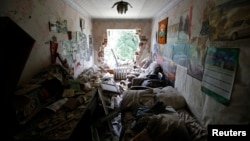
point(155, 52)
point(172, 32)
point(184, 31)
point(168, 50)
point(169, 68)
point(196, 56)
point(179, 55)
point(76, 50)
point(197, 46)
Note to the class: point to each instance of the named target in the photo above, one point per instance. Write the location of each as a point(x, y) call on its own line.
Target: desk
point(63, 124)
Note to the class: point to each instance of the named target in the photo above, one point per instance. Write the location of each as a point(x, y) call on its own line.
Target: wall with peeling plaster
point(33, 17)
point(100, 27)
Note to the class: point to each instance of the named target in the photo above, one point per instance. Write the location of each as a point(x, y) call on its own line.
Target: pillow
point(133, 99)
point(170, 96)
point(153, 83)
point(151, 68)
point(130, 77)
point(146, 62)
point(142, 75)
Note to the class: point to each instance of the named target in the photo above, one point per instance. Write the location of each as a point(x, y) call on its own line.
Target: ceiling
point(102, 9)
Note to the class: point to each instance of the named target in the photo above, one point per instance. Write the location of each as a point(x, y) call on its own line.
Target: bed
point(156, 114)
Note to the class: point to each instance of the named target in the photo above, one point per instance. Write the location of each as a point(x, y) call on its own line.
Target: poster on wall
point(82, 24)
point(169, 69)
point(167, 50)
point(172, 33)
point(196, 56)
point(184, 31)
point(155, 52)
point(53, 51)
point(59, 26)
point(230, 21)
point(162, 31)
point(90, 40)
point(219, 73)
point(179, 54)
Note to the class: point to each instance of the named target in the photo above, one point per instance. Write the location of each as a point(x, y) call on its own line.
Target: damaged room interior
point(125, 70)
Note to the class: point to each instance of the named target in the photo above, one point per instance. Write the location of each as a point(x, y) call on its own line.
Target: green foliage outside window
point(124, 44)
point(127, 44)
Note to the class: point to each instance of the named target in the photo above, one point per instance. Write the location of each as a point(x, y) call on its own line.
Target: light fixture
point(122, 6)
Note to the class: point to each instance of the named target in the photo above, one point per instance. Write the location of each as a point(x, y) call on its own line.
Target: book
point(57, 105)
point(110, 88)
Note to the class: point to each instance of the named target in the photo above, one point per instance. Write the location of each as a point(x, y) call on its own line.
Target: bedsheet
point(146, 118)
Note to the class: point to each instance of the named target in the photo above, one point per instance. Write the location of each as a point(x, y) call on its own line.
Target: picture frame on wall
point(52, 27)
point(90, 40)
point(59, 26)
point(82, 24)
point(156, 36)
point(162, 31)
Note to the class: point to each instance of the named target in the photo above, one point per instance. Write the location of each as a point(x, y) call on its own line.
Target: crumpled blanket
point(196, 130)
point(155, 124)
point(157, 128)
point(133, 99)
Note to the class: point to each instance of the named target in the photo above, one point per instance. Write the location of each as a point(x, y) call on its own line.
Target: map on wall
point(219, 73)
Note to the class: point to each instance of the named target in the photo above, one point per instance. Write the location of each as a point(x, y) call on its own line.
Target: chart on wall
point(219, 73)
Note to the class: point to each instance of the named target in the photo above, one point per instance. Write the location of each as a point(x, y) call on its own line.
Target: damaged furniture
point(158, 115)
point(152, 76)
point(54, 106)
point(107, 125)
